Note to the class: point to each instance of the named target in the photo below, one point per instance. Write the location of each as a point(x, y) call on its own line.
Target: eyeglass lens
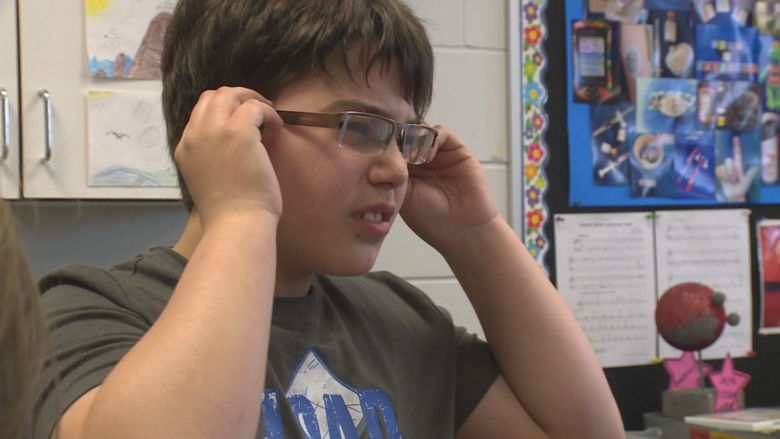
point(370, 136)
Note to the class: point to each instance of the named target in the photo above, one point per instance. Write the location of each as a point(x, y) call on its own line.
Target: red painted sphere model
point(691, 316)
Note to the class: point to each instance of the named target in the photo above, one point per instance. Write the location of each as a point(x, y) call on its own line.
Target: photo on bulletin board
point(765, 17)
point(694, 166)
point(666, 105)
point(652, 165)
point(596, 73)
point(674, 40)
point(723, 12)
point(627, 11)
point(727, 52)
point(769, 72)
point(635, 51)
point(737, 166)
point(769, 263)
point(728, 105)
point(611, 128)
point(770, 141)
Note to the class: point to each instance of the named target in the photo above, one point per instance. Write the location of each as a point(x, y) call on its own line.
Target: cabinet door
point(9, 103)
point(53, 57)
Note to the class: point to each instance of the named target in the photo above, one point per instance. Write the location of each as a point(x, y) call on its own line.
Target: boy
point(274, 329)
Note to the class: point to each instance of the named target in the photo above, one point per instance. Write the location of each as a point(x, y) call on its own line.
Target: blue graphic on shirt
point(328, 408)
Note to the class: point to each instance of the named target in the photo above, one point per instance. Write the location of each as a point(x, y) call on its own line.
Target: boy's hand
point(448, 195)
point(222, 158)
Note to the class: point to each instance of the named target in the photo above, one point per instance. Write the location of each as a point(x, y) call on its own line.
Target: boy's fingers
point(199, 111)
point(257, 114)
point(244, 94)
point(447, 139)
point(441, 138)
point(223, 102)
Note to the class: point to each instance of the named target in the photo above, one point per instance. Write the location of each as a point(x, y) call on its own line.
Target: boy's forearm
point(538, 344)
point(200, 370)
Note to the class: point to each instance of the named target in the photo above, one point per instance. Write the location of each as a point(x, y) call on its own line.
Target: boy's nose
point(389, 168)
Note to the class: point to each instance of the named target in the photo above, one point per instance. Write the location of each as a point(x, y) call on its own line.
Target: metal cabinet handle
point(47, 120)
point(6, 125)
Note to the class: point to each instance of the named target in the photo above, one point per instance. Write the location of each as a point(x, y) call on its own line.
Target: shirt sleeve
point(92, 326)
point(476, 372)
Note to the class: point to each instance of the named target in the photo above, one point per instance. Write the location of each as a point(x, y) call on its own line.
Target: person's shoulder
point(158, 268)
point(157, 261)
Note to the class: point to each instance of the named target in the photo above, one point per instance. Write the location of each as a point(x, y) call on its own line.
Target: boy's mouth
point(376, 213)
point(372, 216)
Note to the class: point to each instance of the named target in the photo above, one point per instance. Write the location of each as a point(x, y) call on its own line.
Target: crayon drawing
point(127, 142)
point(124, 37)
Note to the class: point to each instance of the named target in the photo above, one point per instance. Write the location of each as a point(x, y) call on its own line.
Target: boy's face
point(338, 206)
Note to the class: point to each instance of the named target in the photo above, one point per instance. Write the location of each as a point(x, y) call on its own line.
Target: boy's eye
point(361, 128)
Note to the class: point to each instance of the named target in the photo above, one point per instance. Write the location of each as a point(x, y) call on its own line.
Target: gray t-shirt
point(364, 354)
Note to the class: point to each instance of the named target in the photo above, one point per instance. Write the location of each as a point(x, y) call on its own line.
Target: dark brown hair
point(22, 333)
point(268, 44)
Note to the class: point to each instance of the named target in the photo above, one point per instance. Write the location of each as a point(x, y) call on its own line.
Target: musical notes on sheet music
point(710, 247)
point(606, 275)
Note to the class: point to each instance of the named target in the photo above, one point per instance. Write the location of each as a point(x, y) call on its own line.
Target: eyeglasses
point(370, 134)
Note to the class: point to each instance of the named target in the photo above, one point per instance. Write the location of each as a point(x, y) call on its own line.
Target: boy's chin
point(354, 267)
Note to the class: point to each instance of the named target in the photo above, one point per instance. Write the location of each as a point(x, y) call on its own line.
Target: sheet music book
point(612, 268)
point(752, 419)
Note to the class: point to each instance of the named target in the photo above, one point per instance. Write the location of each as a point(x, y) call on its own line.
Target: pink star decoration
point(685, 372)
point(728, 383)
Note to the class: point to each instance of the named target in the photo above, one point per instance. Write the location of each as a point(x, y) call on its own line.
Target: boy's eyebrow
point(362, 107)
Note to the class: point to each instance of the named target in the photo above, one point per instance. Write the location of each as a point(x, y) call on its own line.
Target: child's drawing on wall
point(127, 144)
point(124, 37)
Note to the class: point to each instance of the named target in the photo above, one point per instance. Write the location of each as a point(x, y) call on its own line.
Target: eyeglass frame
point(332, 120)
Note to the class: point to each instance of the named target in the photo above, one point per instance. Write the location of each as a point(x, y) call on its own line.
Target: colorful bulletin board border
point(528, 94)
point(583, 191)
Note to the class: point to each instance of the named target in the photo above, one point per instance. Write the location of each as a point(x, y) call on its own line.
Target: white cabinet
point(9, 103)
point(53, 57)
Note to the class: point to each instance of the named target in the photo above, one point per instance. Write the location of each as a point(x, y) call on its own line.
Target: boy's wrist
point(240, 219)
point(477, 241)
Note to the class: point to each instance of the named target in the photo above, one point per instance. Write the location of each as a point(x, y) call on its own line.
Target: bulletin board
point(552, 172)
point(679, 99)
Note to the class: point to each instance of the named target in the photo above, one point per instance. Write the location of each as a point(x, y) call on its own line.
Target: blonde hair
point(22, 333)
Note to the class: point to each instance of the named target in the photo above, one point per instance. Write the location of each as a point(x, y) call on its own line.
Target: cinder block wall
point(470, 96)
